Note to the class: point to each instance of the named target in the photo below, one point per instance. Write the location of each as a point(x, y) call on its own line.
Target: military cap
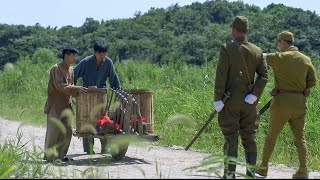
point(241, 23)
point(286, 35)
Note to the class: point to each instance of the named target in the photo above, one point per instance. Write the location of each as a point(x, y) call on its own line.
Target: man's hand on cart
point(81, 90)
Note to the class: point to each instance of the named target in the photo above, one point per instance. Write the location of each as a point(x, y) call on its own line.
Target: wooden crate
point(144, 98)
point(90, 107)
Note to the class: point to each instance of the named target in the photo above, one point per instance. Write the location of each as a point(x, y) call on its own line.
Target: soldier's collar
point(291, 48)
point(241, 39)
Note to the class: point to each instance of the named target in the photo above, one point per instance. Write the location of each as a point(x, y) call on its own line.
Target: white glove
point(264, 55)
point(250, 98)
point(218, 105)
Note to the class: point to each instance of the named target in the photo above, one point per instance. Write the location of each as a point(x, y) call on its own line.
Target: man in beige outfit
point(60, 91)
point(294, 75)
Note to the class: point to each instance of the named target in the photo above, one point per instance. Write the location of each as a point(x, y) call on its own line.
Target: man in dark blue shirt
point(95, 70)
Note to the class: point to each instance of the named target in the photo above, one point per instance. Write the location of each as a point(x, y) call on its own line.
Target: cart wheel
point(118, 150)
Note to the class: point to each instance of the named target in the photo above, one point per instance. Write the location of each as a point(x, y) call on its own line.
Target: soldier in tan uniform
point(60, 90)
point(294, 75)
point(238, 62)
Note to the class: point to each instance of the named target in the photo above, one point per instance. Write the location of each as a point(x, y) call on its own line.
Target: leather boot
point(302, 173)
point(262, 170)
point(230, 166)
point(251, 159)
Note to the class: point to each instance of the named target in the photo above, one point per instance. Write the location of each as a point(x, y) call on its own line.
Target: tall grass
point(183, 100)
point(18, 162)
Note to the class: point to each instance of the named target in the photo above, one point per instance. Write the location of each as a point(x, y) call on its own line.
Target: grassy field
point(183, 101)
point(16, 162)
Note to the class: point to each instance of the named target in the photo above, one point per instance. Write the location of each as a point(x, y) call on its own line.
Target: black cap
point(70, 49)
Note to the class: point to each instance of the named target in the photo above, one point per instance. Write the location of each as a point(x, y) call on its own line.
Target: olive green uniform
point(237, 116)
point(292, 71)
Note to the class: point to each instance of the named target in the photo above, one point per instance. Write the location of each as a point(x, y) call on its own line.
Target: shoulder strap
point(245, 65)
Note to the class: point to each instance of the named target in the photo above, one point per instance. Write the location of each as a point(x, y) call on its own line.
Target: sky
point(59, 13)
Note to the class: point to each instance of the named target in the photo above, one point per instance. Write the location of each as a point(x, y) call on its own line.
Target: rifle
point(226, 96)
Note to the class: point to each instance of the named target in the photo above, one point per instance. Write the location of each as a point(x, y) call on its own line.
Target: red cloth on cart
point(107, 120)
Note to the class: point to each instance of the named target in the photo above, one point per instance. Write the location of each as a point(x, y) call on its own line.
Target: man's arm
point(113, 77)
point(262, 78)
point(60, 85)
point(272, 59)
point(311, 76)
point(221, 74)
point(78, 71)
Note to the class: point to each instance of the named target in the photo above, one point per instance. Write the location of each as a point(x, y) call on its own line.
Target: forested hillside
point(192, 34)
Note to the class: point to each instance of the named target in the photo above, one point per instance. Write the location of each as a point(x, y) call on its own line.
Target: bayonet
point(212, 115)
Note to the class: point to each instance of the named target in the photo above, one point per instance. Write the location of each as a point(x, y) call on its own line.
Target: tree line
point(191, 34)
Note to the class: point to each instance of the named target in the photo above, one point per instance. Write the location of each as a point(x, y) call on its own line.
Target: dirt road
point(147, 161)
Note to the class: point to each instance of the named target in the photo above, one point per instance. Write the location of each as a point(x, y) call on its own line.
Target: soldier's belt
point(275, 92)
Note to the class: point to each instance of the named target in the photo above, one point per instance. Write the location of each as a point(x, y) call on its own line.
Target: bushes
point(43, 55)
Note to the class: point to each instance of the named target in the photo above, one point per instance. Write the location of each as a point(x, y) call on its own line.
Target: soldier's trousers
point(239, 120)
point(279, 116)
point(58, 137)
point(234, 121)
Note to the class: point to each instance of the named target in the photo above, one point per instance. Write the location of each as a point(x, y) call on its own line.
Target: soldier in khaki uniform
point(294, 75)
point(238, 62)
point(60, 90)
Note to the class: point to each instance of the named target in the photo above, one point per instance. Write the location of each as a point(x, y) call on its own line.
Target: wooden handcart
point(123, 108)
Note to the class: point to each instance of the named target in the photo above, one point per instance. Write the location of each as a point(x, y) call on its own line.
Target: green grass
point(183, 100)
point(17, 162)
